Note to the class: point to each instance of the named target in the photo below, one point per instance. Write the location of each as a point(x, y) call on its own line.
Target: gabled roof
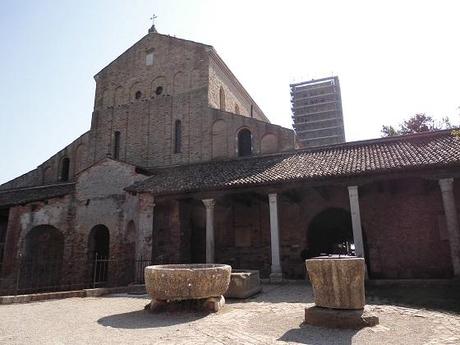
point(403, 153)
point(145, 36)
point(20, 196)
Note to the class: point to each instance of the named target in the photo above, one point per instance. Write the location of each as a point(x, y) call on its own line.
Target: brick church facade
point(181, 165)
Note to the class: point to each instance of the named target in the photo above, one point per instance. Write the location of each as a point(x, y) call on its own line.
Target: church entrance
point(330, 232)
point(98, 253)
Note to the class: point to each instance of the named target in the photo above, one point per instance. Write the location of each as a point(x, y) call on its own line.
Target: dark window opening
point(244, 143)
point(65, 169)
point(177, 137)
point(252, 110)
point(159, 90)
point(116, 145)
point(138, 95)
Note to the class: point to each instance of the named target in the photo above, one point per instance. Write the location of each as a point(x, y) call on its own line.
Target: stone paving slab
point(273, 317)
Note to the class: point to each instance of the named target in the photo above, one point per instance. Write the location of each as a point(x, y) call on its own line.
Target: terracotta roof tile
point(419, 151)
point(24, 195)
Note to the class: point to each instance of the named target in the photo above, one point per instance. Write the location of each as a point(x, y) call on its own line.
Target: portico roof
point(439, 149)
point(20, 196)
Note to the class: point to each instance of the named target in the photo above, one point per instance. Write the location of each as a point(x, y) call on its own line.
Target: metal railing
point(35, 276)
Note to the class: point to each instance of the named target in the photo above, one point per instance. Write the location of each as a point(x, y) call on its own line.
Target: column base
point(340, 318)
point(276, 278)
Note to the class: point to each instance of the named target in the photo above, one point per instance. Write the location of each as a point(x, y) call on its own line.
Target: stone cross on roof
point(152, 28)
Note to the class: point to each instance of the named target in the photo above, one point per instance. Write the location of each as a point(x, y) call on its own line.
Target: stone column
point(146, 206)
point(450, 211)
point(276, 274)
point(209, 205)
point(356, 221)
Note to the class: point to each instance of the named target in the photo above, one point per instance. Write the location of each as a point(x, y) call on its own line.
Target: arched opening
point(222, 98)
point(177, 136)
point(64, 169)
point(244, 143)
point(330, 232)
point(98, 253)
point(116, 145)
point(42, 262)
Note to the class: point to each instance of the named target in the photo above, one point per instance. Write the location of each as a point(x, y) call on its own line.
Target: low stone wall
point(68, 294)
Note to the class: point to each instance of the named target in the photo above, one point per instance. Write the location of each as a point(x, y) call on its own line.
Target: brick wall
point(222, 80)
point(49, 172)
point(402, 220)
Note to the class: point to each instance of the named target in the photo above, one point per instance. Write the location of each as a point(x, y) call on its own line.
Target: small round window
point(159, 90)
point(138, 95)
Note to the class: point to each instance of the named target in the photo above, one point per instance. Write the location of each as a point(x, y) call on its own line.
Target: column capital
point(446, 184)
point(352, 190)
point(209, 203)
point(146, 201)
point(272, 198)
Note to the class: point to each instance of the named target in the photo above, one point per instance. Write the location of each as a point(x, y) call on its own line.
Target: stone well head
point(337, 281)
point(187, 281)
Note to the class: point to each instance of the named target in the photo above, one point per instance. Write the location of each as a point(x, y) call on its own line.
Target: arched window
point(244, 143)
point(116, 145)
point(177, 136)
point(222, 98)
point(237, 109)
point(64, 169)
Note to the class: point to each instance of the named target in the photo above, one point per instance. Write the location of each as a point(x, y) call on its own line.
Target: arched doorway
point(330, 232)
point(98, 253)
point(42, 262)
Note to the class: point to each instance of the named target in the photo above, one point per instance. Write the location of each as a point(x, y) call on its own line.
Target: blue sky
point(393, 58)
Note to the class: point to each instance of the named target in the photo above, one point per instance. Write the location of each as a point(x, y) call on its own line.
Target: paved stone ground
point(274, 316)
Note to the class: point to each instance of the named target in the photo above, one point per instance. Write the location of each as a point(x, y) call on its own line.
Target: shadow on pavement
point(306, 334)
point(144, 319)
point(438, 298)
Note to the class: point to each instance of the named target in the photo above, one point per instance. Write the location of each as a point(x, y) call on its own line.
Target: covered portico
point(261, 212)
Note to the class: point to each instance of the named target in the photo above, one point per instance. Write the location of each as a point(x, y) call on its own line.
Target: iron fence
point(34, 276)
